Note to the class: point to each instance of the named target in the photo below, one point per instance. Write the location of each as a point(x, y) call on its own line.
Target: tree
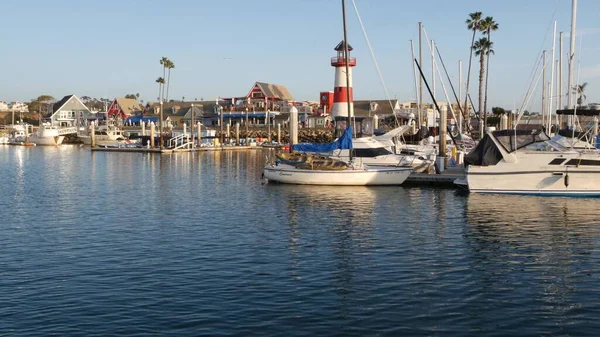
point(41, 104)
point(488, 25)
point(132, 96)
point(482, 48)
point(137, 95)
point(161, 82)
point(170, 65)
point(579, 90)
point(526, 113)
point(163, 61)
point(498, 111)
point(472, 24)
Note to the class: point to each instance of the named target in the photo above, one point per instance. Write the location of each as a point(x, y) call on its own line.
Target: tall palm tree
point(472, 24)
point(161, 82)
point(482, 47)
point(170, 65)
point(488, 25)
point(580, 89)
point(163, 61)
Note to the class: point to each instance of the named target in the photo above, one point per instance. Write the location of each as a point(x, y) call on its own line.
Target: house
point(68, 110)
point(3, 106)
point(124, 108)
point(262, 96)
point(19, 107)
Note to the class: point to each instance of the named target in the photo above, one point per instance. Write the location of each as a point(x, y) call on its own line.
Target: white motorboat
point(18, 134)
point(106, 134)
point(47, 135)
point(529, 162)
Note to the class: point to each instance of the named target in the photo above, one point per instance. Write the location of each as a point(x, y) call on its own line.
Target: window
point(583, 162)
point(370, 153)
point(557, 161)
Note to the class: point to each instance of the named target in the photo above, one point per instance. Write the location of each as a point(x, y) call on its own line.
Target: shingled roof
point(129, 106)
point(275, 90)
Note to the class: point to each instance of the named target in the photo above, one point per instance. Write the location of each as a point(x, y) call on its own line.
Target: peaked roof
point(275, 90)
point(340, 46)
point(56, 106)
point(128, 105)
point(60, 104)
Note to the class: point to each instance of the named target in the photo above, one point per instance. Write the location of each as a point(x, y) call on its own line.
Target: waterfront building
point(18, 107)
point(67, 111)
point(124, 108)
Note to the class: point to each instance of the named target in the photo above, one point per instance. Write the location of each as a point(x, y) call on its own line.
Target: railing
point(181, 141)
point(342, 61)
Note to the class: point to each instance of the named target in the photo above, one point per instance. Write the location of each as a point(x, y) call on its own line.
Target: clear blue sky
point(220, 48)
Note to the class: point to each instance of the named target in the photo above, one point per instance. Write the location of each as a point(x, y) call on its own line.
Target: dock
point(444, 179)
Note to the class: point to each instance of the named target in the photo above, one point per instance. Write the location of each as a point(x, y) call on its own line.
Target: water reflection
point(533, 248)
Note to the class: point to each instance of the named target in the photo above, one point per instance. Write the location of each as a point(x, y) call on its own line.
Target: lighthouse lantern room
point(342, 92)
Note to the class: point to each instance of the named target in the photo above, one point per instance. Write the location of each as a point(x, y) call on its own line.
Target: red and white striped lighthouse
point(341, 92)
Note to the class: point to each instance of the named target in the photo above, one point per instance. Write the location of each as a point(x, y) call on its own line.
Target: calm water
point(100, 244)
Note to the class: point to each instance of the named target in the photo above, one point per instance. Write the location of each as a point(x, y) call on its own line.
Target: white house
point(19, 107)
point(3, 106)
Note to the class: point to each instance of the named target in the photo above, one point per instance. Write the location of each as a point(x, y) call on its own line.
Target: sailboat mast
point(420, 80)
point(550, 100)
point(572, 55)
point(349, 120)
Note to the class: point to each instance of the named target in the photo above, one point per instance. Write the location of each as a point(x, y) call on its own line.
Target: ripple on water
point(193, 244)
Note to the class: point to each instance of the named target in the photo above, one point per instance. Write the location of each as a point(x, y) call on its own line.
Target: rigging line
point(532, 74)
point(452, 87)
point(416, 91)
point(374, 60)
point(529, 98)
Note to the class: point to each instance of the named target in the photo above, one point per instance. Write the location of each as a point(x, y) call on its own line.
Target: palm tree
point(163, 61)
point(580, 89)
point(472, 24)
point(161, 82)
point(488, 25)
point(170, 65)
point(482, 47)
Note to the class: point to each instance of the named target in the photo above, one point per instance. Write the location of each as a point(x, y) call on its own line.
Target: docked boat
point(529, 162)
point(47, 134)
point(106, 134)
point(312, 169)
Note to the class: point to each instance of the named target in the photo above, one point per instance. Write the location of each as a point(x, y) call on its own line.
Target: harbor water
point(194, 244)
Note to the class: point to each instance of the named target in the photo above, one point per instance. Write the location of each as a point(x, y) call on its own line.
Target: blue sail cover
point(342, 143)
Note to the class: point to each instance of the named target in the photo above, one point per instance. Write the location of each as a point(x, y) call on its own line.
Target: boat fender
point(567, 180)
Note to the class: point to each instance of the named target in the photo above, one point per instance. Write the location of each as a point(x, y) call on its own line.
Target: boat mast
point(420, 80)
point(571, 57)
point(349, 119)
point(550, 100)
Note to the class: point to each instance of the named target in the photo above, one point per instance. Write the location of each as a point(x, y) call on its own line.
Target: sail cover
point(342, 143)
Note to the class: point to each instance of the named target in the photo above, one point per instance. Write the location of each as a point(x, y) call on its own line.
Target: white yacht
point(529, 162)
point(105, 134)
point(47, 134)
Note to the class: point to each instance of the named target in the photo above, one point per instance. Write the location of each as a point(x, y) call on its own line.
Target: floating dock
point(444, 179)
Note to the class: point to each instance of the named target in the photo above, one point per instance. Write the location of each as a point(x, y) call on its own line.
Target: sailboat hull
point(366, 176)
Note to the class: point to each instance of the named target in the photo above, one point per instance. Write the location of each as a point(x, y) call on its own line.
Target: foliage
point(41, 104)
point(498, 111)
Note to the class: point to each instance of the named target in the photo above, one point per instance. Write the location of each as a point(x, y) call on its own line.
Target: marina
point(222, 253)
point(294, 177)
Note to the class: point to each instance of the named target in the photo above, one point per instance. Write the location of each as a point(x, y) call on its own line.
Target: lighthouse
point(342, 92)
